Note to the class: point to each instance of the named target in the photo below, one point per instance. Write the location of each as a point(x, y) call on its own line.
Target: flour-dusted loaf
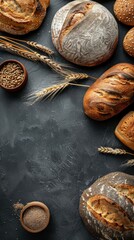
point(125, 130)
point(111, 93)
point(107, 207)
point(84, 32)
point(22, 16)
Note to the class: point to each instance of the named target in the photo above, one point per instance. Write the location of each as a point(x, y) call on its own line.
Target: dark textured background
point(48, 151)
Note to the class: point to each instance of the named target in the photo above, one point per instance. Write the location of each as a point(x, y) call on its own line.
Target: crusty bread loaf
point(125, 130)
point(128, 42)
point(111, 93)
point(84, 32)
point(107, 207)
point(124, 11)
point(20, 17)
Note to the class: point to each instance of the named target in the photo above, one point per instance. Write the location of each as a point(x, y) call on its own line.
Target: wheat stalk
point(30, 43)
point(129, 163)
point(14, 47)
point(54, 89)
point(116, 151)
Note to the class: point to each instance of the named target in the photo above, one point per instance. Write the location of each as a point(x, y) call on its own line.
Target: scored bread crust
point(107, 207)
point(111, 93)
point(20, 17)
point(125, 130)
point(84, 32)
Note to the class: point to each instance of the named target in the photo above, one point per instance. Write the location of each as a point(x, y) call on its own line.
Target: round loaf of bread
point(124, 11)
point(20, 17)
point(107, 207)
point(125, 130)
point(128, 42)
point(84, 32)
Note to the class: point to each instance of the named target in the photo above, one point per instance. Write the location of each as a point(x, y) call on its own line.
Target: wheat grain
point(116, 151)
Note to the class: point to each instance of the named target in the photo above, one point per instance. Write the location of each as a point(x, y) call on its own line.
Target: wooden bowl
point(13, 75)
point(34, 217)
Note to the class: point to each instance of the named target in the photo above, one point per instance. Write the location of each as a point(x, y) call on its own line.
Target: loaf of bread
point(20, 17)
point(128, 42)
point(84, 32)
point(107, 207)
point(111, 93)
point(124, 11)
point(125, 130)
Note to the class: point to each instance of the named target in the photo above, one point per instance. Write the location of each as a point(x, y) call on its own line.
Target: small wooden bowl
point(34, 217)
point(14, 77)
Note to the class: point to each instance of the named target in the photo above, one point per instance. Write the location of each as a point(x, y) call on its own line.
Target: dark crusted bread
point(20, 17)
point(111, 93)
point(107, 207)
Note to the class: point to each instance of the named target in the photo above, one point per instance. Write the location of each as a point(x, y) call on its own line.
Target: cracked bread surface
point(20, 17)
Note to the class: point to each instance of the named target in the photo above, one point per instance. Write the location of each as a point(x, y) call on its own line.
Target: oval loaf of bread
point(111, 93)
point(125, 130)
point(22, 16)
point(107, 207)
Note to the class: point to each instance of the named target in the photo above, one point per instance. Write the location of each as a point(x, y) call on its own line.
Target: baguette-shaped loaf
point(111, 93)
point(125, 130)
point(20, 17)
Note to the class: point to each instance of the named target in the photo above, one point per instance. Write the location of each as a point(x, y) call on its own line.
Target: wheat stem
point(129, 163)
point(30, 43)
point(10, 45)
point(116, 151)
point(79, 85)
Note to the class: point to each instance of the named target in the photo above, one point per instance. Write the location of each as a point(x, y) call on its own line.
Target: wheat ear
point(30, 43)
point(116, 151)
point(14, 47)
point(51, 91)
point(129, 163)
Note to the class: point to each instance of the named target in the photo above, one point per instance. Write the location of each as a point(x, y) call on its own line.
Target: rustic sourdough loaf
point(20, 17)
point(84, 32)
point(107, 207)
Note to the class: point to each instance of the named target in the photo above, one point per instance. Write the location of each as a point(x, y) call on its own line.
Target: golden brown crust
point(111, 93)
point(124, 11)
point(128, 42)
point(20, 17)
point(125, 130)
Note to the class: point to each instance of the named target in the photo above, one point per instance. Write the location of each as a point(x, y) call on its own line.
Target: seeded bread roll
point(107, 207)
point(124, 11)
point(111, 93)
point(125, 130)
point(84, 32)
point(20, 17)
point(128, 42)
